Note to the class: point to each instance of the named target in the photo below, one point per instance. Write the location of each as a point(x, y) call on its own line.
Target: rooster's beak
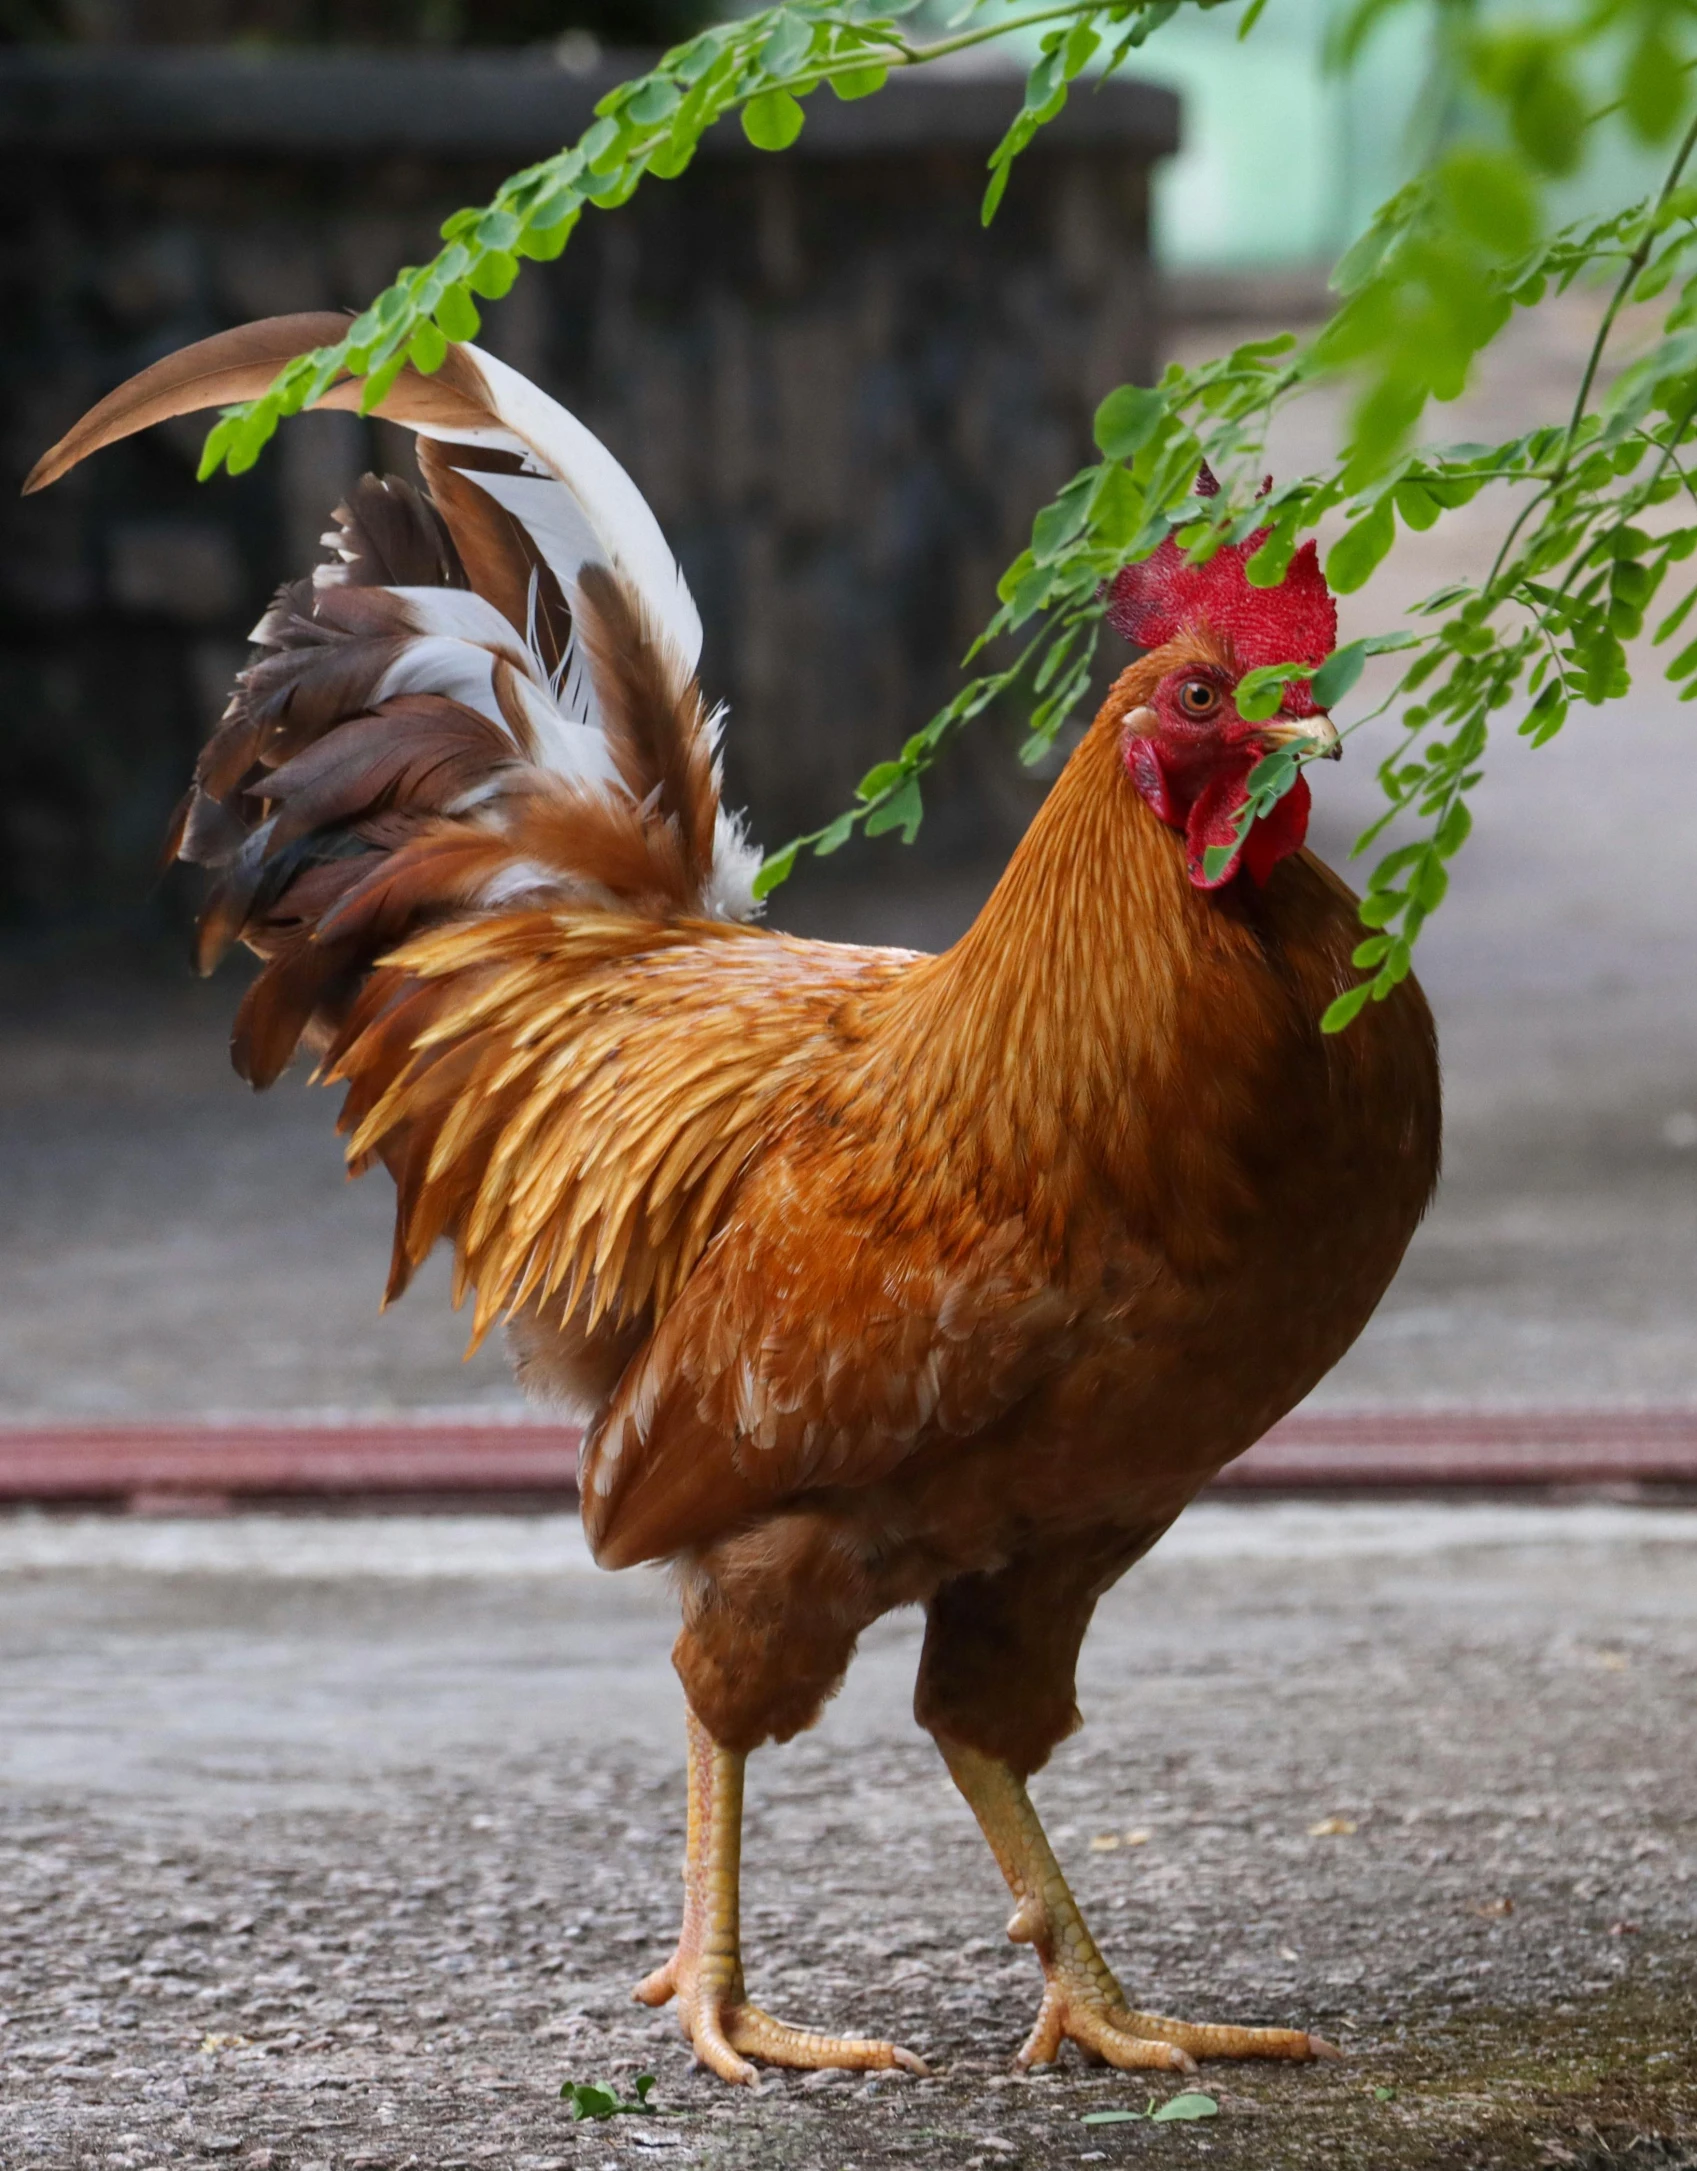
point(1316, 736)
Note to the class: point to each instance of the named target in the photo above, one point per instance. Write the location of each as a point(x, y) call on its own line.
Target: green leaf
point(1676, 618)
point(1053, 661)
point(879, 779)
point(1346, 1008)
point(1189, 2105)
point(1546, 715)
point(218, 442)
point(378, 385)
point(1260, 693)
point(1031, 594)
point(588, 2100)
point(859, 82)
point(1339, 673)
point(902, 810)
point(1127, 419)
point(617, 187)
point(672, 159)
point(1057, 524)
point(544, 242)
point(1430, 884)
point(496, 230)
point(1487, 195)
point(1395, 968)
point(835, 836)
point(1351, 561)
point(788, 46)
point(775, 871)
point(1080, 48)
point(1454, 830)
point(1271, 562)
point(656, 101)
point(1113, 2118)
point(1117, 510)
point(1653, 86)
point(493, 275)
point(600, 144)
point(1364, 256)
point(772, 121)
point(1525, 67)
point(456, 313)
point(427, 349)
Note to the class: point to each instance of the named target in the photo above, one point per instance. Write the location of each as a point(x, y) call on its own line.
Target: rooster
point(874, 1279)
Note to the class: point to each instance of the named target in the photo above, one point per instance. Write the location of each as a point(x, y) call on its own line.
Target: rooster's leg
point(1082, 2002)
point(705, 1973)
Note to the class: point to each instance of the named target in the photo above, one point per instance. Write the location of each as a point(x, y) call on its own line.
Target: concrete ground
point(335, 1845)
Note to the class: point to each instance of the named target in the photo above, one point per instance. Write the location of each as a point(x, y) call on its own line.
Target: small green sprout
point(590, 2099)
point(1189, 2105)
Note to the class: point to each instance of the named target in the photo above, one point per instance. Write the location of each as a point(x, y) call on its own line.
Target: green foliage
point(764, 66)
point(601, 2099)
point(1592, 498)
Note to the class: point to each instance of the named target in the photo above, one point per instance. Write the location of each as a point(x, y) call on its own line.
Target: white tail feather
point(619, 520)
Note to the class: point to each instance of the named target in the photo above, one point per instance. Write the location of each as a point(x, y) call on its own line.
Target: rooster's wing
point(815, 1346)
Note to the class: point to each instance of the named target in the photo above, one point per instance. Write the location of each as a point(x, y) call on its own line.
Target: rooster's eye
point(1197, 698)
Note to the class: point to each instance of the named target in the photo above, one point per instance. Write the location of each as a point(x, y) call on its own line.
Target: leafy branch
point(765, 66)
point(1591, 528)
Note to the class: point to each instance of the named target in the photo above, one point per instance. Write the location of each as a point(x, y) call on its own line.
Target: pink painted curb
point(155, 1461)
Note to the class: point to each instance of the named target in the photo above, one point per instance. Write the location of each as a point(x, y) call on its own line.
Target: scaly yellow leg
point(1082, 2002)
point(705, 1973)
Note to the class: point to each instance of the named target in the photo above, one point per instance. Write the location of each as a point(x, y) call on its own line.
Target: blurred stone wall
point(843, 398)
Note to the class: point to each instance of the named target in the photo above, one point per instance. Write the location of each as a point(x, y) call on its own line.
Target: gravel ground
point(338, 1843)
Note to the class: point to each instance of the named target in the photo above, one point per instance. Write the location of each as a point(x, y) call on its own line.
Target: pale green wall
point(1284, 164)
point(1281, 163)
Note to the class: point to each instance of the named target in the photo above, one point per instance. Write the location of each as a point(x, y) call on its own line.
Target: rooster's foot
point(1082, 2003)
point(1106, 2030)
point(704, 1975)
point(725, 2030)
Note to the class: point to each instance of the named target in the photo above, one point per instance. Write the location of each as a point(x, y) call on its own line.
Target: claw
point(660, 1987)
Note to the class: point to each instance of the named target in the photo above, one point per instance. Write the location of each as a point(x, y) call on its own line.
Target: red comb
point(1296, 622)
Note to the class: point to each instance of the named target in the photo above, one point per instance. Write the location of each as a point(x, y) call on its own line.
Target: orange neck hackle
point(1094, 1014)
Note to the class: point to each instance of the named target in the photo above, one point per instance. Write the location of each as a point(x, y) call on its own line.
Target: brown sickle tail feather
point(240, 365)
point(652, 707)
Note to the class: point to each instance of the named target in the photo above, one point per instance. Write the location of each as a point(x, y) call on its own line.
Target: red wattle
point(1275, 836)
point(1212, 823)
